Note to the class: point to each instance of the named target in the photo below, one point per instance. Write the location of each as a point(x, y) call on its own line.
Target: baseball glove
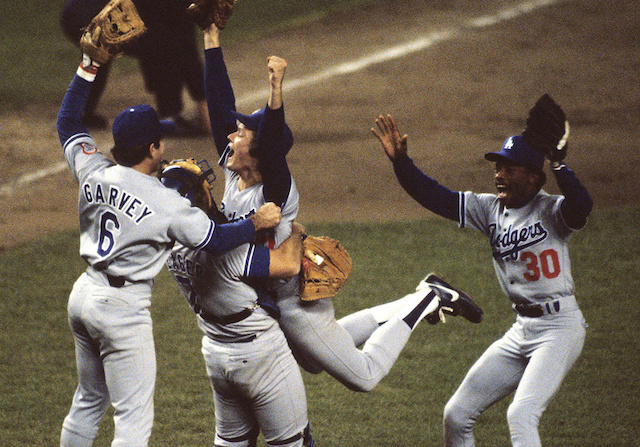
point(115, 27)
point(547, 129)
point(326, 266)
point(206, 12)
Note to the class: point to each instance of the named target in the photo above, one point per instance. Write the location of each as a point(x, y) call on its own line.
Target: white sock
point(384, 312)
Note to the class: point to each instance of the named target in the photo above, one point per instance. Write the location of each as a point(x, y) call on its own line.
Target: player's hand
point(277, 67)
point(298, 228)
point(211, 37)
point(267, 216)
point(394, 144)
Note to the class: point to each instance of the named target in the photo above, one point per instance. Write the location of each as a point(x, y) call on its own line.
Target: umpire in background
point(168, 56)
point(529, 232)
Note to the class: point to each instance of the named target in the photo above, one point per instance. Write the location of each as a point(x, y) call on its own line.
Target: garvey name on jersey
point(120, 200)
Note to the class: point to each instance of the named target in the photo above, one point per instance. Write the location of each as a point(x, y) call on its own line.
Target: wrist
point(88, 68)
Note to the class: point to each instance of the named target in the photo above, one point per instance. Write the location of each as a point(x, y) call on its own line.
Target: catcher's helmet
point(191, 179)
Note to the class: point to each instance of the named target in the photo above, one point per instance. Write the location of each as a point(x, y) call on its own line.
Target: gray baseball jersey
point(529, 245)
point(530, 256)
point(237, 205)
point(129, 220)
point(247, 360)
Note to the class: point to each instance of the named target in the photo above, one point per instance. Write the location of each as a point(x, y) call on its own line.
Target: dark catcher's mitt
point(326, 266)
point(116, 26)
point(547, 129)
point(206, 12)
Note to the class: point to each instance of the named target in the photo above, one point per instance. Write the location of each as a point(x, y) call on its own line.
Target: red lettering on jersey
point(548, 263)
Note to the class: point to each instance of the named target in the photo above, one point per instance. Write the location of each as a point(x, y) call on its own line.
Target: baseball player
point(253, 155)
point(528, 232)
point(255, 380)
point(128, 224)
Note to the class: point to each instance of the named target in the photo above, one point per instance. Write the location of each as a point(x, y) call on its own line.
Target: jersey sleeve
point(220, 98)
point(475, 210)
point(425, 190)
point(272, 162)
point(257, 262)
point(577, 203)
point(189, 225)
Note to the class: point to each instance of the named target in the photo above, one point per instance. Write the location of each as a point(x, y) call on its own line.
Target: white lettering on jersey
point(510, 241)
point(131, 206)
point(234, 216)
point(179, 264)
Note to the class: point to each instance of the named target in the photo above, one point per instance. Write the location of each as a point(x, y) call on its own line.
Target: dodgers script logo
point(509, 241)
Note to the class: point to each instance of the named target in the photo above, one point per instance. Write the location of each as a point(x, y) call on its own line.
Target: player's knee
point(456, 418)
point(70, 438)
point(522, 416)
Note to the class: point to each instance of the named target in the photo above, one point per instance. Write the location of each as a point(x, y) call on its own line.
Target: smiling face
point(516, 184)
point(242, 142)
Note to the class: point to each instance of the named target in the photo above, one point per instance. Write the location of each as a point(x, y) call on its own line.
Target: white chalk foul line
point(354, 66)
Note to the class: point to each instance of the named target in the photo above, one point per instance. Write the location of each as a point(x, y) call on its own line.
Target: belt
point(537, 310)
point(116, 281)
point(225, 319)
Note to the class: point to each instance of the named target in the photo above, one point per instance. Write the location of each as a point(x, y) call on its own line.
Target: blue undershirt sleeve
point(69, 120)
point(272, 162)
point(220, 98)
point(230, 235)
point(577, 203)
point(425, 190)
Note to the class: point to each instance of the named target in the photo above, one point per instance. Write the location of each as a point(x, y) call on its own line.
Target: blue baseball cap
point(139, 125)
point(252, 122)
point(517, 151)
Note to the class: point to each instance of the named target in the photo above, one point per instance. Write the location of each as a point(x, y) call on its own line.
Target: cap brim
point(495, 156)
point(251, 122)
point(167, 127)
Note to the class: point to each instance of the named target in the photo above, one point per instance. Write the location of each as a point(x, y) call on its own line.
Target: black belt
point(537, 310)
point(116, 281)
point(225, 319)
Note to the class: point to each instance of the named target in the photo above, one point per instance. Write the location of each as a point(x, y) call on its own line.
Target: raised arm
point(422, 188)
point(274, 138)
point(218, 90)
point(577, 203)
point(69, 120)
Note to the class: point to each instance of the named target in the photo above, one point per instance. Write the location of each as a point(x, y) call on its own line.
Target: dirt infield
point(457, 99)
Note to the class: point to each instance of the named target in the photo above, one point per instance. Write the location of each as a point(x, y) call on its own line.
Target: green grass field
point(597, 405)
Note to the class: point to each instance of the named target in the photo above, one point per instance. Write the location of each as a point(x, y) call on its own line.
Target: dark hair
point(132, 156)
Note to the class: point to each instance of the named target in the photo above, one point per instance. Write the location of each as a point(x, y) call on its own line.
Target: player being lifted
point(253, 150)
point(528, 231)
point(128, 224)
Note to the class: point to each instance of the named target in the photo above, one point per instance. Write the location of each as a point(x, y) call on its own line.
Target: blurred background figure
point(168, 56)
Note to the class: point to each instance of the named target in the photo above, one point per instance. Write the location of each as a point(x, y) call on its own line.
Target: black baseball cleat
point(452, 301)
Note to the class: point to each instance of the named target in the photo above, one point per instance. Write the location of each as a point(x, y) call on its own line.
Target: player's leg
point(561, 341)
point(235, 423)
point(494, 376)
point(129, 361)
point(311, 328)
point(91, 399)
point(271, 378)
point(362, 324)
